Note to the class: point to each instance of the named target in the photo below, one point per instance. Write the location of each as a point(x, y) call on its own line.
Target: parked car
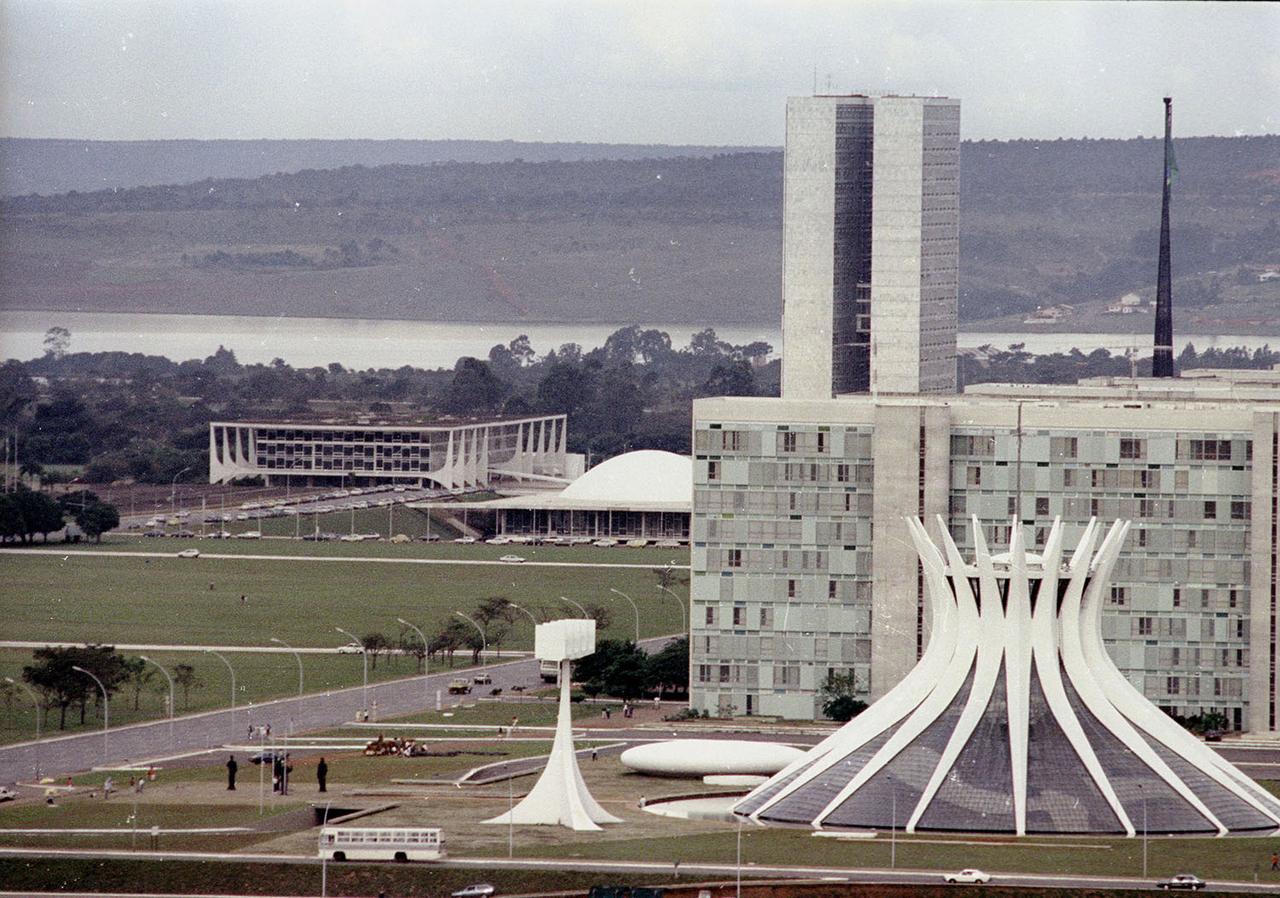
point(1182, 881)
point(512, 559)
point(351, 648)
point(266, 757)
point(969, 875)
point(1213, 736)
point(459, 686)
point(250, 534)
point(465, 540)
point(475, 890)
point(605, 543)
point(189, 553)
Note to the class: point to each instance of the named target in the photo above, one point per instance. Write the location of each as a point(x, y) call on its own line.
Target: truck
point(549, 671)
point(459, 686)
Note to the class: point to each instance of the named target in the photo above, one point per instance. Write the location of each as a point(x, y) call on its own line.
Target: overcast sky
point(633, 72)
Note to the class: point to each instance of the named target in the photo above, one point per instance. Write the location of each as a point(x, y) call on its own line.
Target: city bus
point(382, 843)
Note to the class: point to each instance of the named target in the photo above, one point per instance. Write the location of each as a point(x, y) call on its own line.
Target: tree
point(730, 378)
point(601, 615)
point(37, 513)
point(617, 667)
point(373, 644)
point(96, 519)
point(495, 609)
point(410, 644)
point(138, 673)
point(474, 389)
point(33, 471)
point(56, 342)
point(669, 668)
point(837, 694)
point(52, 673)
point(184, 677)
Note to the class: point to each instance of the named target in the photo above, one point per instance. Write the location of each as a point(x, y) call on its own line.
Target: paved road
point(134, 743)
point(346, 559)
point(315, 711)
point(189, 647)
point(663, 872)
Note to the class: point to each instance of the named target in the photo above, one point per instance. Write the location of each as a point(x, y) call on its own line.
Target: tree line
point(26, 513)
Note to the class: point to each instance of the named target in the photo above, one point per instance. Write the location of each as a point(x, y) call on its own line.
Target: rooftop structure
point(1016, 720)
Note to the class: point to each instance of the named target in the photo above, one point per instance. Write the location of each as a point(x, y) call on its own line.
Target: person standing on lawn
point(232, 767)
point(322, 774)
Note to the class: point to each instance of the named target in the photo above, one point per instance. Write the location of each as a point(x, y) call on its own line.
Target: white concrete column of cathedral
point(1015, 719)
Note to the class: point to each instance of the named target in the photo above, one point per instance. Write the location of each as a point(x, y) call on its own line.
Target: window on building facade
point(711, 615)
point(842, 473)
point(1173, 685)
point(1210, 510)
point(1145, 625)
point(1240, 510)
point(713, 470)
point(822, 442)
point(788, 441)
point(1133, 449)
point(791, 589)
point(974, 476)
point(1119, 595)
point(739, 616)
point(831, 589)
point(734, 558)
point(1177, 597)
point(1042, 506)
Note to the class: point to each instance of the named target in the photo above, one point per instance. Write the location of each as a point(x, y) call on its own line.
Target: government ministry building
point(803, 564)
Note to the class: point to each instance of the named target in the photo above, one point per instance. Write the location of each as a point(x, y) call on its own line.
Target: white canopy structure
point(1016, 720)
point(560, 795)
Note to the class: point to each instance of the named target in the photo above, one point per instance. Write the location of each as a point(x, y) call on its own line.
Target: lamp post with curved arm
point(426, 656)
point(484, 642)
point(173, 490)
point(171, 698)
point(364, 654)
point(526, 611)
point(106, 709)
point(633, 608)
point(684, 620)
point(231, 670)
point(575, 605)
point(36, 701)
point(296, 656)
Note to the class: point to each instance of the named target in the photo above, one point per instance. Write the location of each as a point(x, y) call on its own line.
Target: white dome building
point(642, 495)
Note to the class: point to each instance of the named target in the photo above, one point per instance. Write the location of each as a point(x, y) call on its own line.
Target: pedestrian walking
point(277, 773)
point(107, 785)
point(322, 774)
point(284, 780)
point(593, 754)
point(1275, 861)
point(232, 767)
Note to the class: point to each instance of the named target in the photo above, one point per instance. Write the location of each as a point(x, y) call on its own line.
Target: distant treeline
point(128, 415)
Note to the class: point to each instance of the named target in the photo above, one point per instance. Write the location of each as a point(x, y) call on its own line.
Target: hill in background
point(680, 239)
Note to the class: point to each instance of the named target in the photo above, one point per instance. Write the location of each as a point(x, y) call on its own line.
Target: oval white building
point(695, 758)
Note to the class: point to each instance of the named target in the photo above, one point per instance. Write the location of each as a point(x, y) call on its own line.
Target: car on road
point(459, 686)
point(351, 648)
point(475, 890)
point(1182, 881)
point(250, 534)
point(968, 875)
point(7, 794)
point(465, 540)
point(1213, 736)
point(189, 553)
point(482, 679)
point(266, 757)
point(512, 559)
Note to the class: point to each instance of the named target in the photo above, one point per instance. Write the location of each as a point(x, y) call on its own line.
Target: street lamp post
point(684, 619)
point(484, 642)
point(106, 710)
point(1144, 831)
point(297, 657)
point(364, 654)
point(232, 671)
point(575, 605)
point(171, 698)
point(173, 490)
point(324, 858)
point(893, 826)
point(526, 611)
point(36, 701)
point(426, 657)
point(633, 608)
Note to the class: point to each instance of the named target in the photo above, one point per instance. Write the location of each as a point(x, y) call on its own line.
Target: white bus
point(383, 843)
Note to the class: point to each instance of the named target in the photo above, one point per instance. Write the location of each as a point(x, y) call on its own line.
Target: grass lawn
point(1228, 858)
point(178, 601)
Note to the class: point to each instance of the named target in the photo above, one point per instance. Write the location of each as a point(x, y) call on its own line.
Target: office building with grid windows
point(871, 203)
point(803, 564)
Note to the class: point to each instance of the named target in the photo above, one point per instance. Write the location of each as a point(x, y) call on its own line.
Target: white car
point(512, 559)
point(465, 540)
point(1182, 881)
point(605, 543)
point(250, 534)
point(351, 648)
point(189, 553)
point(478, 890)
point(7, 794)
point(969, 875)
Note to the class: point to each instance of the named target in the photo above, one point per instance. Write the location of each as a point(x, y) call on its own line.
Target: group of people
point(136, 783)
point(281, 768)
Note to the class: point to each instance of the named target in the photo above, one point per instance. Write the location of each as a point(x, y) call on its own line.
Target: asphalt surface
point(663, 872)
point(315, 711)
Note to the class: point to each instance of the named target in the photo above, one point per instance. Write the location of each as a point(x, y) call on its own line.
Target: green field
point(173, 601)
point(1227, 858)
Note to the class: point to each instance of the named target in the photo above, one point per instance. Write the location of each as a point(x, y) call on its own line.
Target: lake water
point(359, 343)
